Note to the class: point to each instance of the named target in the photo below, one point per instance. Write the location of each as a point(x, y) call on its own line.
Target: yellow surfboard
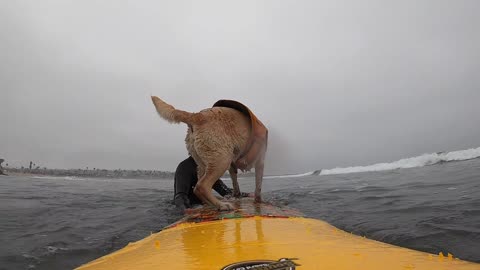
point(262, 236)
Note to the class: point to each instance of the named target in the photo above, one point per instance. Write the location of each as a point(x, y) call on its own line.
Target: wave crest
point(413, 162)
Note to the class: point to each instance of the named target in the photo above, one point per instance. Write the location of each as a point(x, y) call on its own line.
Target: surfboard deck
point(244, 208)
point(263, 236)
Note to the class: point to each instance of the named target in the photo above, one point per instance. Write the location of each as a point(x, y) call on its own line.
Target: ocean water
point(429, 203)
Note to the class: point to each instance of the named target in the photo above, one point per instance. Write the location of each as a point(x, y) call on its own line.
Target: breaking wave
point(413, 162)
point(58, 177)
point(292, 175)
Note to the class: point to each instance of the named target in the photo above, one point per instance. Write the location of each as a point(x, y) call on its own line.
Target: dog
point(227, 136)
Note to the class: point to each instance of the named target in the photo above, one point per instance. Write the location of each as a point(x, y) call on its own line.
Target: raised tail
point(169, 113)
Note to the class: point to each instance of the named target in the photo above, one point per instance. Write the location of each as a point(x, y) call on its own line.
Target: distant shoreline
point(96, 173)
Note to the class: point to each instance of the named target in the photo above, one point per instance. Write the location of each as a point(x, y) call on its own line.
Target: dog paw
point(225, 206)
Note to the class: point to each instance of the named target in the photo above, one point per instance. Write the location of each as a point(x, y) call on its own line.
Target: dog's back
point(223, 132)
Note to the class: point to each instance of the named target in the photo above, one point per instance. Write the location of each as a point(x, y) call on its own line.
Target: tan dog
point(225, 137)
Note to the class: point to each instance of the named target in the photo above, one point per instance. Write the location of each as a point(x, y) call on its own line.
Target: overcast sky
point(337, 83)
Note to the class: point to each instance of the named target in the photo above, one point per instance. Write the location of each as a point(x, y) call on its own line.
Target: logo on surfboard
point(281, 264)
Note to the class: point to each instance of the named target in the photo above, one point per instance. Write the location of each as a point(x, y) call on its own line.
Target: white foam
point(288, 175)
point(413, 162)
point(44, 177)
point(58, 177)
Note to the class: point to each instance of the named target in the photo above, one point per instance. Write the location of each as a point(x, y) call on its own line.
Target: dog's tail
point(169, 113)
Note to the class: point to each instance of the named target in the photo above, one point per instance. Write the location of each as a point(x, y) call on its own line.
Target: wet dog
point(227, 136)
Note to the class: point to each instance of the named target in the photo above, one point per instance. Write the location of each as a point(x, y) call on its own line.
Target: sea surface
point(63, 222)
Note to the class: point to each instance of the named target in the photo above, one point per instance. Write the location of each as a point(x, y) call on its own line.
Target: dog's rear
point(216, 138)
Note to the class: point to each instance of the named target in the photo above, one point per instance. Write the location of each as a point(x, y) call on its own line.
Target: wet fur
point(215, 139)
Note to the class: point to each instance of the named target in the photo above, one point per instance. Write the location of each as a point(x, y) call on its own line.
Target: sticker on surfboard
point(281, 264)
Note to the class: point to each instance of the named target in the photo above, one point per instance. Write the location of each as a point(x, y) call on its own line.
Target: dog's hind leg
point(259, 166)
point(203, 188)
point(233, 175)
point(199, 191)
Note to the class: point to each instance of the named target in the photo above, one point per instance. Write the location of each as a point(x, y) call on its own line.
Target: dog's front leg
point(258, 180)
point(233, 175)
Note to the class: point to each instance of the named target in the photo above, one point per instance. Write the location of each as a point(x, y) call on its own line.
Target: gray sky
point(338, 83)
